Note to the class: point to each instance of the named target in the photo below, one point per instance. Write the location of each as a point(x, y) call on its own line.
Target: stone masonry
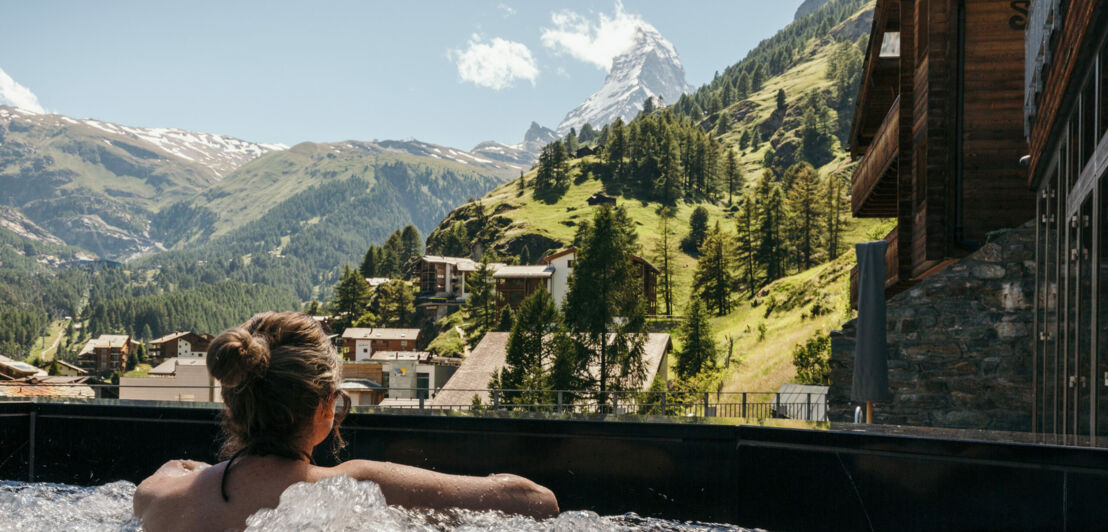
point(959, 344)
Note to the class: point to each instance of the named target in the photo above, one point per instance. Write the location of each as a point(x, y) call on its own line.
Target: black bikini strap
point(223, 481)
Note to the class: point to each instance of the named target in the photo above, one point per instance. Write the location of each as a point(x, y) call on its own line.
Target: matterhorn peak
point(650, 67)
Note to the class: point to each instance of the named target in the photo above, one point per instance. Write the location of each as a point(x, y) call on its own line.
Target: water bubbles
point(49, 507)
point(338, 503)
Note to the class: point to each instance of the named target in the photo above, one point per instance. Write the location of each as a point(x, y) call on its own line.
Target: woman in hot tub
point(281, 379)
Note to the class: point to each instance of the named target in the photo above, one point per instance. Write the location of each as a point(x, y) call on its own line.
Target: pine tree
point(734, 176)
point(481, 300)
point(698, 228)
point(587, 134)
point(522, 182)
point(805, 209)
point(351, 297)
point(743, 86)
point(394, 304)
point(757, 78)
point(536, 339)
point(412, 244)
point(714, 278)
point(781, 100)
point(369, 267)
point(698, 346)
point(747, 248)
point(668, 183)
point(834, 213)
point(665, 255)
point(604, 307)
point(615, 151)
point(571, 144)
point(506, 320)
point(771, 251)
point(393, 256)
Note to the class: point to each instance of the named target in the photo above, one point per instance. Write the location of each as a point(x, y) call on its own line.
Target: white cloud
point(495, 64)
point(595, 42)
point(506, 9)
point(14, 94)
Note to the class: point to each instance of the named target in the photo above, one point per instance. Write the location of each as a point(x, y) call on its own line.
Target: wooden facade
point(938, 126)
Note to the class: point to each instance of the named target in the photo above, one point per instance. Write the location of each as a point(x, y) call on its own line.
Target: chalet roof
point(170, 337)
point(374, 282)
point(573, 250)
point(460, 263)
point(361, 385)
point(567, 251)
point(395, 334)
point(18, 368)
point(24, 389)
point(105, 340)
point(169, 367)
point(491, 355)
point(392, 356)
point(357, 333)
point(523, 272)
point(78, 369)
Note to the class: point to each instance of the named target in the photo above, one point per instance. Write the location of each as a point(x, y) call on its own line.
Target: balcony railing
point(1042, 21)
point(873, 186)
point(892, 269)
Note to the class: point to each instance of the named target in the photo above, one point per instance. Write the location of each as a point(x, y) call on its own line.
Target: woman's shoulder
point(172, 477)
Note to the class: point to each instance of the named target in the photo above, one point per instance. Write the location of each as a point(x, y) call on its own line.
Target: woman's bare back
point(185, 495)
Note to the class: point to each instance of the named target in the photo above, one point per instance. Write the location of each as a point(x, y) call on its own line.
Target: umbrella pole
point(869, 412)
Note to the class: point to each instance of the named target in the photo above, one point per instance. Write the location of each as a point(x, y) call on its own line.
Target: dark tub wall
point(779, 479)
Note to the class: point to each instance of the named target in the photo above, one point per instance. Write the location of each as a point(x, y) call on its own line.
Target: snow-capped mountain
point(650, 67)
point(521, 155)
point(218, 153)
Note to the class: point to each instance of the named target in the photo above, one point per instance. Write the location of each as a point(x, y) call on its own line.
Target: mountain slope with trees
point(737, 192)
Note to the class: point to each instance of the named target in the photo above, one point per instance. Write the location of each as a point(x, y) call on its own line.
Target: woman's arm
point(413, 487)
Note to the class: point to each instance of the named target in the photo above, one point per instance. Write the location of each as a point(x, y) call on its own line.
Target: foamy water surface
point(339, 503)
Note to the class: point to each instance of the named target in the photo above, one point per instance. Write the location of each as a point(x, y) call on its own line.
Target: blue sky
point(327, 71)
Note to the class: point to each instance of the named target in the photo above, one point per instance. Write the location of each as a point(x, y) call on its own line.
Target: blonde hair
point(275, 370)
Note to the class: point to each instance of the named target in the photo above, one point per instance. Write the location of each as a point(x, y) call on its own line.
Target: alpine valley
point(187, 230)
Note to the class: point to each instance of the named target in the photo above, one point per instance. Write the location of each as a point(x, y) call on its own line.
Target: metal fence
point(751, 405)
point(756, 405)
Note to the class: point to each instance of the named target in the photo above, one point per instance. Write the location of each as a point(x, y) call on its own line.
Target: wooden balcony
point(892, 271)
point(873, 186)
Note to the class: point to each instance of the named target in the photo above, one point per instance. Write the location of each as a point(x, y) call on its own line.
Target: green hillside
point(518, 223)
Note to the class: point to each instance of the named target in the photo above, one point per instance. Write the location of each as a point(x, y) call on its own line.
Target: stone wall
point(959, 344)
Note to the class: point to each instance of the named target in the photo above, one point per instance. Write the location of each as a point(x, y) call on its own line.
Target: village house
point(472, 376)
point(362, 380)
point(65, 369)
point(182, 378)
point(413, 374)
point(106, 354)
point(180, 344)
point(359, 343)
point(515, 283)
point(442, 283)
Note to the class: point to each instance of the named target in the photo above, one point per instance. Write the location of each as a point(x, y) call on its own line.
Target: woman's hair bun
point(236, 356)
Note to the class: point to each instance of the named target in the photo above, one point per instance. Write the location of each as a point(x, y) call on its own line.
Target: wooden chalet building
point(107, 353)
point(515, 283)
point(184, 343)
point(360, 343)
point(1066, 105)
point(939, 129)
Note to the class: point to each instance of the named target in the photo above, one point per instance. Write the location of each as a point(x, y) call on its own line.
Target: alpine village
point(689, 253)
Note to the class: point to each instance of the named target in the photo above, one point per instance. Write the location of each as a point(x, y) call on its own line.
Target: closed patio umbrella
point(871, 365)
